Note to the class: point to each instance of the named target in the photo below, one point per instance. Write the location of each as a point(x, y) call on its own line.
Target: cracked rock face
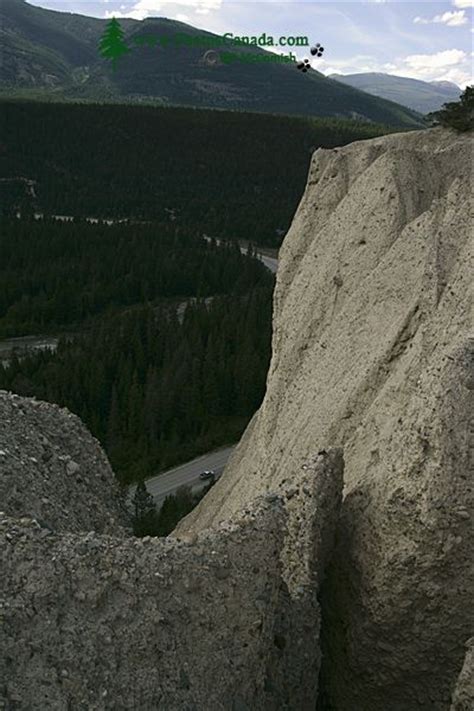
point(94, 619)
point(373, 352)
point(100, 622)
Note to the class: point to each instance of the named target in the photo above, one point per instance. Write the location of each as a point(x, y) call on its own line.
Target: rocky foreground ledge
point(94, 619)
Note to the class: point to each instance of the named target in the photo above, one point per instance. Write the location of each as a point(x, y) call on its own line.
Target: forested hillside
point(55, 55)
point(227, 174)
point(156, 391)
point(171, 332)
point(56, 275)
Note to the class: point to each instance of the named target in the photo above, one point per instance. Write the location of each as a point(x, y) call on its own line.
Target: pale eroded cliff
point(373, 352)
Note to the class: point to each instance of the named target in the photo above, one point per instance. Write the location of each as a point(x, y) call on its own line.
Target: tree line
point(149, 521)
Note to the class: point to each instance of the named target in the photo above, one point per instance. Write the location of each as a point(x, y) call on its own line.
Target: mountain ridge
point(54, 54)
point(422, 96)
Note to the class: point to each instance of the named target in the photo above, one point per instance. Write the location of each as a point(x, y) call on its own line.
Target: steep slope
point(52, 54)
point(94, 618)
point(373, 351)
point(422, 96)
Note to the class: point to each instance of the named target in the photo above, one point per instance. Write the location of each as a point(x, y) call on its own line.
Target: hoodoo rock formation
point(373, 352)
point(281, 590)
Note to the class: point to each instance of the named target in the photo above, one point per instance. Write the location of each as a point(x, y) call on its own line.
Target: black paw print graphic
point(304, 66)
point(317, 50)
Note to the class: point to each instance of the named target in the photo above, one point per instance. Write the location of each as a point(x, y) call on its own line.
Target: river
point(25, 344)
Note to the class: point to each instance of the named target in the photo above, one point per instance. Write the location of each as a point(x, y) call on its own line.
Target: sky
point(432, 41)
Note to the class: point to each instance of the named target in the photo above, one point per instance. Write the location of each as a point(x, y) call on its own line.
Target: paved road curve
point(187, 474)
point(269, 262)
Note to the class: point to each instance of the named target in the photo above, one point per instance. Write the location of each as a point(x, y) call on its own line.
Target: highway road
point(187, 474)
point(270, 262)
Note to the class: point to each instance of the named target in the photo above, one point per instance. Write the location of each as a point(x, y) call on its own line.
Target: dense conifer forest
point(56, 275)
point(156, 391)
point(173, 340)
point(228, 174)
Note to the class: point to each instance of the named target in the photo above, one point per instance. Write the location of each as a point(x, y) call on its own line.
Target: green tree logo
point(112, 45)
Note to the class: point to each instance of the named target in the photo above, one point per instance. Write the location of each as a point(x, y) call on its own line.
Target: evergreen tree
point(457, 114)
point(112, 44)
point(114, 429)
point(155, 390)
point(145, 514)
point(178, 505)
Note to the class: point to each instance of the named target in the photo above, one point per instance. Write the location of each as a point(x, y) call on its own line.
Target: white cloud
point(428, 62)
point(451, 19)
point(169, 8)
point(449, 65)
point(463, 3)
point(352, 65)
point(132, 15)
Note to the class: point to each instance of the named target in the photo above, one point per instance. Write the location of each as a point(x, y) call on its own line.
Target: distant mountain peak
point(419, 95)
